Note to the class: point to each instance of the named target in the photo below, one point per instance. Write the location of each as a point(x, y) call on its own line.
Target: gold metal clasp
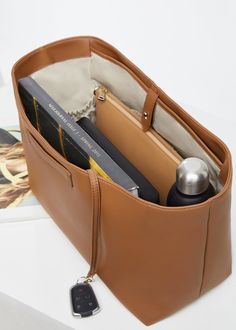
point(100, 92)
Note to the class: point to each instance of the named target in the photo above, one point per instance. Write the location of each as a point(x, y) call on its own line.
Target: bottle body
point(177, 198)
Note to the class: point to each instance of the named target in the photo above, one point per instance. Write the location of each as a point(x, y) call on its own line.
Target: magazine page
point(17, 202)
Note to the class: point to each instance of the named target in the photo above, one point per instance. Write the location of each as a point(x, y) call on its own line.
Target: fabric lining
point(72, 82)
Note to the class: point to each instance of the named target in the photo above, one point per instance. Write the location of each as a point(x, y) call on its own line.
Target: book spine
point(98, 158)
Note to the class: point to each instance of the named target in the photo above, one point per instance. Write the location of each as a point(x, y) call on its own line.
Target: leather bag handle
point(96, 211)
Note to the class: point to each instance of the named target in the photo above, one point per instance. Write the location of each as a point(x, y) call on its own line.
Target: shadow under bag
point(155, 259)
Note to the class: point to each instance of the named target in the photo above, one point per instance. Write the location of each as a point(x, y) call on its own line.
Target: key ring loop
point(87, 279)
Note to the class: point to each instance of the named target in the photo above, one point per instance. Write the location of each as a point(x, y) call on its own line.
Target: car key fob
point(84, 301)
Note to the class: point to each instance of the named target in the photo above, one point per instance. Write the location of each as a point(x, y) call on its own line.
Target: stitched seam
point(205, 252)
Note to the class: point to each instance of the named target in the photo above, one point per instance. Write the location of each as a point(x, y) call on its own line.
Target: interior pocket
point(44, 156)
point(154, 158)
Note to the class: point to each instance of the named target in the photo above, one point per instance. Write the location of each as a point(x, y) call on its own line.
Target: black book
point(146, 190)
point(67, 137)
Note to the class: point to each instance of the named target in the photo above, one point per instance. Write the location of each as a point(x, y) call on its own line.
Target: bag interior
point(72, 83)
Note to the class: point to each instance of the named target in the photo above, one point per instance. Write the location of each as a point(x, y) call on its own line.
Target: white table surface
point(188, 48)
point(16, 315)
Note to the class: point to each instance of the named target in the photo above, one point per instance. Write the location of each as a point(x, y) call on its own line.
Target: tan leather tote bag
point(154, 258)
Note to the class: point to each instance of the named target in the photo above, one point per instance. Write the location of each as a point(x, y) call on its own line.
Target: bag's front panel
point(65, 196)
point(152, 259)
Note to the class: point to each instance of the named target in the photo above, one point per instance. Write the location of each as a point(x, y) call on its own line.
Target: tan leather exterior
point(155, 259)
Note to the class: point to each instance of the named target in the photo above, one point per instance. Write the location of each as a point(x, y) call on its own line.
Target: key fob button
point(78, 298)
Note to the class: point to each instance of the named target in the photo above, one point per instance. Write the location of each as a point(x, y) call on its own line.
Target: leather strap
point(96, 210)
point(149, 105)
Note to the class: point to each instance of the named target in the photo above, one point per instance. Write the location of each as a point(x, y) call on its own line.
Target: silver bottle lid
point(192, 176)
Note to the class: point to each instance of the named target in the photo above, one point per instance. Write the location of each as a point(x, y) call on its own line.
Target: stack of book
point(81, 142)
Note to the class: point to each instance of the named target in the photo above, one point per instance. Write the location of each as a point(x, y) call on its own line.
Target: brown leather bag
point(154, 258)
